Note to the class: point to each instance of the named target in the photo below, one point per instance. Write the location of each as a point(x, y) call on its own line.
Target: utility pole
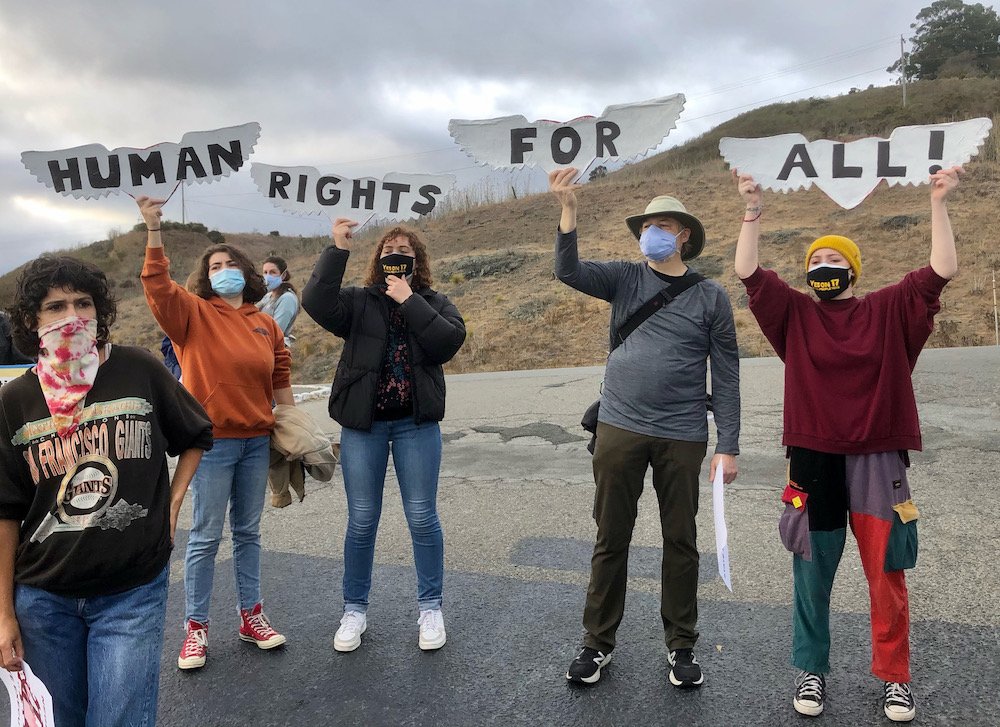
point(184, 216)
point(902, 66)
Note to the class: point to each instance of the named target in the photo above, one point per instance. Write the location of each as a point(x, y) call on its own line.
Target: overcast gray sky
point(366, 88)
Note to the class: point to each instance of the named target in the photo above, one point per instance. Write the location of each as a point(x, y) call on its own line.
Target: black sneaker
point(586, 667)
point(684, 669)
point(810, 693)
point(898, 702)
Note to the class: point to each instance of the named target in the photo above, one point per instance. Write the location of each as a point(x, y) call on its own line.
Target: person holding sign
point(388, 395)
point(653, 414)
point(850, 417)
point(235, 363)
point(281, 301)
point(87, 506)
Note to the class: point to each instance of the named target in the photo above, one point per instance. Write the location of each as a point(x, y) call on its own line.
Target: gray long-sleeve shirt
point(655, 382)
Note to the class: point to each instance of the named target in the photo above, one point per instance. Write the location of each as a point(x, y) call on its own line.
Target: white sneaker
point(432, 635)
point(352, 625)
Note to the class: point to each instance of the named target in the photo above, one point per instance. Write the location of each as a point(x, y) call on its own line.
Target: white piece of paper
point(721, 534)
point(30, 701)
point(849, 172)
point(307, 191)
point(93, 171)
point(623, 131)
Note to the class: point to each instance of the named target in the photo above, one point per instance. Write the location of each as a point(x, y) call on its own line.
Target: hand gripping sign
point(306, 191)
point(625, 131)
point(849, 172)
point(93, 171)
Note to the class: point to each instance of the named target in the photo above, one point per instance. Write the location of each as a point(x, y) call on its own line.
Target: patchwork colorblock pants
point(825, 492)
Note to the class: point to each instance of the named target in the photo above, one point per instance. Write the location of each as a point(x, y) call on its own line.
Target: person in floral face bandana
point(88, 509)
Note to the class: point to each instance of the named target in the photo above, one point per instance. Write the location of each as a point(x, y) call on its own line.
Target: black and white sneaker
point(684, 669)
point(810, 693)
point(898, 702)
point(586, 667)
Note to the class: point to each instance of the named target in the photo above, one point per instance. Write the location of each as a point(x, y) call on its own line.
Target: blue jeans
point(416, 456)
point(233, 472)
point(99, 657)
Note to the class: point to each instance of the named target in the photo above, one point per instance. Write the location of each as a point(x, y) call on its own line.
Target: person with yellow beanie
point(850, 418)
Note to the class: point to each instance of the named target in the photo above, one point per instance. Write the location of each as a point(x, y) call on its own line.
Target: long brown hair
point(421, 266)
point(199, 284)
point(279, 262)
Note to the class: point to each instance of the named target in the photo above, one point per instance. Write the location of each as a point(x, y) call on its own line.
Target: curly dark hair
point(199, 284)
point(421, 266)
point(282, 266)
point(58, 271)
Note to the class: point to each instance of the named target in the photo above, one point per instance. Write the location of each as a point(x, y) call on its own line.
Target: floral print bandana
point(67, 366)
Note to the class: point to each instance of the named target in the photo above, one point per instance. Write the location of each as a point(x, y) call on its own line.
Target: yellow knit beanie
point(844, 246)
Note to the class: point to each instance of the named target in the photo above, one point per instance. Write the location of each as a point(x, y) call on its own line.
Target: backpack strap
point(662, 298)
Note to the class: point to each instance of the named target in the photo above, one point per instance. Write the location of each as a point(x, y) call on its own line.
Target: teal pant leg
point(813, 582)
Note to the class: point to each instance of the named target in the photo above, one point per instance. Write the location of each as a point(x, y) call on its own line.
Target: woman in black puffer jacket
point(388, 395)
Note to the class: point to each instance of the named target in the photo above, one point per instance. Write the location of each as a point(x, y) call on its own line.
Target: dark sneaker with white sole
point(586, 667)
point(684, 669)
point(810, 694)
point(898, 702)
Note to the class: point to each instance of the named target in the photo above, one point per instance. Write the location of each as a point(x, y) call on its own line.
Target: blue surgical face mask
point(657, 244)
point(272, 281)
point(228, 282)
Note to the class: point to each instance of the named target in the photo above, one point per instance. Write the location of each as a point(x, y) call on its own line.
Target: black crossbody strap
point(654, 304)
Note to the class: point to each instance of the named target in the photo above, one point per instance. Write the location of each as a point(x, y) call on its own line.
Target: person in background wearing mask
point(281, 301)
point(653, 414)
point(88, 509)
point(850, 418)
point(388, 395)
point(235, 363)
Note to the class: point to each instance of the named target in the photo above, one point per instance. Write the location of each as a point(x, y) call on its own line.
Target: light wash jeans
point(416, 456)
point(99, 657)
point(234, 473)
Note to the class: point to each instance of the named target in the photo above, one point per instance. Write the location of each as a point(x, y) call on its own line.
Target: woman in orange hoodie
point(235, 364)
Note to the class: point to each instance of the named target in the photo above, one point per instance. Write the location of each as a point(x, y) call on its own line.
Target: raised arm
point(561, 185)
point(944, 259)
point(747, 244)
point(321, 298)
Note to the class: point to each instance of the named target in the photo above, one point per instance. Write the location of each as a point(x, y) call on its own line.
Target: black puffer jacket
point(361, 317)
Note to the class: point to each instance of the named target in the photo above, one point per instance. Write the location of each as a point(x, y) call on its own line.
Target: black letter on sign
point(518, 145)
point(884, 170)
point(233, 157)
point(368, 193)
point(279, 180)
point(300, 196)
point(188, 159)
point(607, 132)
point(565, 157)
point(142, 168)
point(59, 176)
point(396, 188)
point(839, 170)
point(98, 180)
point(327, 199)
point(798, 157)
point(427, 192)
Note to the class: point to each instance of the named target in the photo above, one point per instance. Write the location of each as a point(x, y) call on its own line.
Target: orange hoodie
point(232, 359)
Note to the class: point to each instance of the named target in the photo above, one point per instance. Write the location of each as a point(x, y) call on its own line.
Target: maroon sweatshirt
point(848, 362)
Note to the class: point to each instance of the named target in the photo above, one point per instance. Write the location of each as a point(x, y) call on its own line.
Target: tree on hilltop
point(953, 39)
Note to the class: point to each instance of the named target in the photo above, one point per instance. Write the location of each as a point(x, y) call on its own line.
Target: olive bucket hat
point(671, 206)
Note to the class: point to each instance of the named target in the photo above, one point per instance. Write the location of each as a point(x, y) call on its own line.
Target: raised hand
point(151, 211)
point(342, 227)
point(561, 185)
point(942, 182)
point(748, 188)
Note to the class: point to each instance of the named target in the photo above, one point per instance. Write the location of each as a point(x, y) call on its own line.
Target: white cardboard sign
point(93, 171)
point(623, 131)
point(849, 172)
point(307, 191)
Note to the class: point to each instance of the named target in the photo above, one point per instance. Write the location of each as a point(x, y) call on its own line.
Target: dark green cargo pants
point(620, 462)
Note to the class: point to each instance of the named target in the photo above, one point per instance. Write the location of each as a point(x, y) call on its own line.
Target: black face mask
point(398, 265)
point(828, 281)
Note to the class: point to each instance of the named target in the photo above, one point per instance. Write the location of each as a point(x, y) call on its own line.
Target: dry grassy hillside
point(495, 261)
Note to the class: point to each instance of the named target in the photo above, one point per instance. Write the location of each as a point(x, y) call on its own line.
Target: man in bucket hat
point(653, 414)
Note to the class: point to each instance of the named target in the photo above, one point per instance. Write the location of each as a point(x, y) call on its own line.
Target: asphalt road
point(515, 499)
